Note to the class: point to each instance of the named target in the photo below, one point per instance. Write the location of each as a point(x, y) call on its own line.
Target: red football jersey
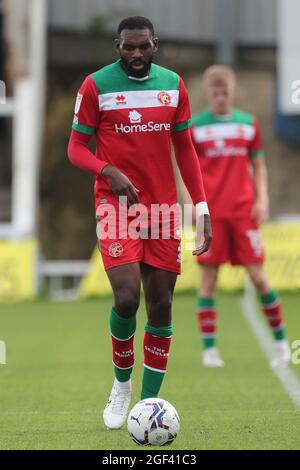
point(225, 146)
point(133, 120)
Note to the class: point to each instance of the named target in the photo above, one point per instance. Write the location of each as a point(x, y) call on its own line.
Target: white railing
point(55, 272)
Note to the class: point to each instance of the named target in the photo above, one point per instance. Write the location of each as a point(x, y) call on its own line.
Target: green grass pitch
point(58, 377)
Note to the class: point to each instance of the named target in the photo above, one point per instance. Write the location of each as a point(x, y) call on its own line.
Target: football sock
point(157, 342)
point(272, 308)
point(207, 320)
point(122, 335)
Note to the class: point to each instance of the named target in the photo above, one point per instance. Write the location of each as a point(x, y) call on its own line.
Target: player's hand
point(260, 211)
point(120, 184)
point(203, 235)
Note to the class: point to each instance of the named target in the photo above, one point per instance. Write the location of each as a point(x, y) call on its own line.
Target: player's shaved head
point(219, 75)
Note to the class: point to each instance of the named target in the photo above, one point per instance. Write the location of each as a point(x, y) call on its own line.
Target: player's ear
point(117, 44)
point(155, 42)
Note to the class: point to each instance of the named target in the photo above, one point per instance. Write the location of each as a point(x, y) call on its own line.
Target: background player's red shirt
point(225, 147)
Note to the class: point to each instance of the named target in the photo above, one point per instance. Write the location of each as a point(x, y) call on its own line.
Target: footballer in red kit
point(137, 110)
point(229, 146)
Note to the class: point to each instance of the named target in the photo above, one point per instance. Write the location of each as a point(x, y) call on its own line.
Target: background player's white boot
point(115, 413)
point(282, 354)
point(211, 358)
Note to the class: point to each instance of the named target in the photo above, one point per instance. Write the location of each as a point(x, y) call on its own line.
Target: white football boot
point(115, 412)
point(282, 354)
point(211, 358)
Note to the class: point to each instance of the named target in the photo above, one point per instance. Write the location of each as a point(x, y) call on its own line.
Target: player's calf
point(157, 342)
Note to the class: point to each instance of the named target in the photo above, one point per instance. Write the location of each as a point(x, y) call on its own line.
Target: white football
point(153, 421)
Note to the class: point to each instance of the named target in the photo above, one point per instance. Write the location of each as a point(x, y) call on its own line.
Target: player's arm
point(190, 171)
point(85, 123)
point(80, 155)
point(189, 167)
point(260, 209)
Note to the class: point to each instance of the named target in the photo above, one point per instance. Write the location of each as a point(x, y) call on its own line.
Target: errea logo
point(121, 99)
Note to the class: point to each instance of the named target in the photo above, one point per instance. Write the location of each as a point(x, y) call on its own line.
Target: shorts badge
point(115, 249)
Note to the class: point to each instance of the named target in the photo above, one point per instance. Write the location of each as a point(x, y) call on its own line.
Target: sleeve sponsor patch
point(78, 102)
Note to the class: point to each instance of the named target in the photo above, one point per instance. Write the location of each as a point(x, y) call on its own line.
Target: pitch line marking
point(287, 377)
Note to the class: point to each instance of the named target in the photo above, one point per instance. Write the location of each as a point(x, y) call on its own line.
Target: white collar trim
point(138, 79)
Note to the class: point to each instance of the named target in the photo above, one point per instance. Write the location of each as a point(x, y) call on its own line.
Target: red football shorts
point(124, 239)
point(235, 240)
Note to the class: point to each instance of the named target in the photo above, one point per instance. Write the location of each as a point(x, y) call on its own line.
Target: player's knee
point(127, 302)
point(161, 304)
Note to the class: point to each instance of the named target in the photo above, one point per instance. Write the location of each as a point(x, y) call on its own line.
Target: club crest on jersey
point(120, 99)
point(135, 117)
point(164, 98)
point(78, 102)
point(115, 249)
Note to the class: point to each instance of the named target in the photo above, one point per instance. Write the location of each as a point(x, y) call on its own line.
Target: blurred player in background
point(229, 145)
point(135, 108)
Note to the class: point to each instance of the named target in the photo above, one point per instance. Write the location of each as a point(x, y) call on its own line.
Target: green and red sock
point(122, 335)
point(272, 308)
point(157, 342)
point(207, 321)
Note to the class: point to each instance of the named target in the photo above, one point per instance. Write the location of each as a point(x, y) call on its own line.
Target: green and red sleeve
point(86, 121)
point(256, 144)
